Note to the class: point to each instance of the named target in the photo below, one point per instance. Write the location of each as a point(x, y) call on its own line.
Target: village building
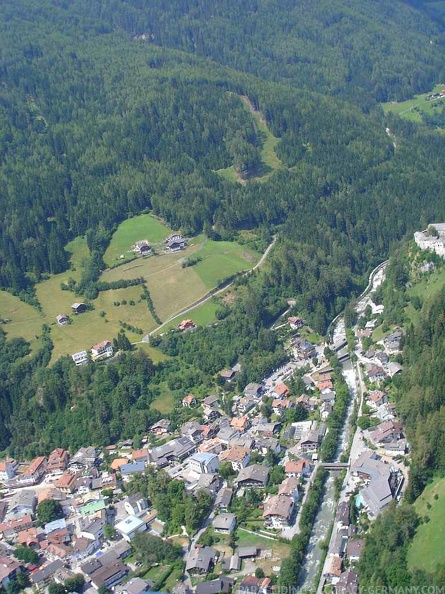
point(186, 325)
point(175, 242)
point(62, 319)
point(57, 460)
point(238, 457)
point(224, 523)
point(204, 463)
point(78, 308)
point(101, 350)
point(80, 358)
point(189, 401)
point(142, 248)
point(256, 475)
point(278, 511)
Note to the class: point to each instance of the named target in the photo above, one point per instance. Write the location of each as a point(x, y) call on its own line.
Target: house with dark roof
point(201, 560)
point(256, 475)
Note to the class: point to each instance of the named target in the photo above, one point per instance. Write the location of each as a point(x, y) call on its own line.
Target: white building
point(7, 470)
point(130, 526)
point(433, 243)
point(102, 350)
point(80, 358)
point(204, 463)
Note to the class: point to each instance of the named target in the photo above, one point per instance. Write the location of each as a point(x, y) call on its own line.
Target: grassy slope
point(134, 229)
point(407, 109)
point(172, 289)
point(426, 550)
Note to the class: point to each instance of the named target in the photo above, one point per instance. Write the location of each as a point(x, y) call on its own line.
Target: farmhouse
point(62, 319)
point(175, 242)
point(78, 308)
point(189, 401)
point(295, 323)
point(101, 350)
point(186, 325)
point(142, 248)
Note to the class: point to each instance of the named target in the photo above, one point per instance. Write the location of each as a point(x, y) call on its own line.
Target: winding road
point(216, 291)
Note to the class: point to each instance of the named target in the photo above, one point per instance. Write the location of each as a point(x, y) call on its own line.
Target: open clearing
point(426, 551)
point(269, 157)
point(172, 289)
point(203, 315)
point(412, 109)
point(135, 229)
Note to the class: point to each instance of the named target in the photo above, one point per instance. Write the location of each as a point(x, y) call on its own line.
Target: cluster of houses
point(76, 543)
point(379, 359)
point(99, 351)
point(173, 243)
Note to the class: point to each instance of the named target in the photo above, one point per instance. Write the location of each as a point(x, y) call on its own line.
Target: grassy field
point(426, 550)
point(203, 315)
point(268, 154)
point(132, 230)
point(429, 286)
point(165, 403)
point(412, 109)
point(172, 288)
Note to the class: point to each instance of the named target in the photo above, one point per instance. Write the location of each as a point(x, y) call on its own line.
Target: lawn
point(203, 315)
point(135, 229)
point(154, 573)
point(222, 259)
point(165, 403)
point(173, 288)
point(412, 109)
point(426, 551)
point(430, 285)
point(21, 319)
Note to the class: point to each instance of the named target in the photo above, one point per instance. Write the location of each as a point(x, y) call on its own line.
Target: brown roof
point(65, 481)
point(235, 454)
point(36, 464)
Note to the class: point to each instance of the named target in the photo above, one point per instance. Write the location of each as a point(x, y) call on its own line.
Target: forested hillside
point(350, 48)
point(109, 109)
point(420, 402)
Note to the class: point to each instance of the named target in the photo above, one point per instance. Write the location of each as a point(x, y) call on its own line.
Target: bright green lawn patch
point(378, 333)
point(229, 173)
point(222, 259)
point(165, 403)
point(412, 109)
point(202, 315)
point(154, 573)
point(155, 354)
point(132, 230)
point(21, 319)
point(426, 550)
point(430, 285)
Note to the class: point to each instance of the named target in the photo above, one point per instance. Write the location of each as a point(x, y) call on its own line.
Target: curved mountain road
point(219, 289)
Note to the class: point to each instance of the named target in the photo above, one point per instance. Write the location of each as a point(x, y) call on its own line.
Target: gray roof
point(222, 585)
point(223, 521)
point(200, 558)
point(25, 498)
point(256, 473)
point(224, 497)
point(244, 552)
point(46, 572)
point(132, 468)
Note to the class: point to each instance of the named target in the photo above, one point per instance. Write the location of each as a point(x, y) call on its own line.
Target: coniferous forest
point(111, 108)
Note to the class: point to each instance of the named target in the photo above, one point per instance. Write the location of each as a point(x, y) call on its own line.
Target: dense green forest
point(110, 109)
